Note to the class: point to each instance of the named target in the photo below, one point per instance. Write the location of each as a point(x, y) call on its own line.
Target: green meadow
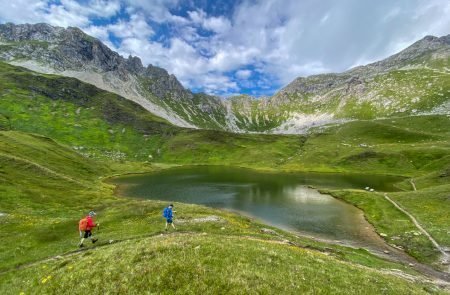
point(62, 138)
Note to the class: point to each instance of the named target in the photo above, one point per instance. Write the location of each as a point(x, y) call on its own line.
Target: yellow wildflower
point(44, 280)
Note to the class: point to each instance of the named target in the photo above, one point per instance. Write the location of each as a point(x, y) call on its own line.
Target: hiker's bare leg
point(167, 224)
point(173, 225)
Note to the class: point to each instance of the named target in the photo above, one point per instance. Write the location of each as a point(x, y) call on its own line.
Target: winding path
point(446, 257)
point(413, 184)
point(40, 167)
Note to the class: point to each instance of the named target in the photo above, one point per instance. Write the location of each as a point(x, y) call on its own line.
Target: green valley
point(62, 137)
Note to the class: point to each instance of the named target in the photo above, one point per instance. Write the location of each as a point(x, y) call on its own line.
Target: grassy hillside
point(193, 263)
point(47, 187)
point(96, 122)
point(95, 133)
point(103, 125)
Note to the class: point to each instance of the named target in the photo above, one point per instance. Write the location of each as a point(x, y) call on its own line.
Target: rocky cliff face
point(72, 52)
point(415, 80)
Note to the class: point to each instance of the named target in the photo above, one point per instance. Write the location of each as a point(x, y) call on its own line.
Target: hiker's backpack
point(82, 225)
point(166, 213)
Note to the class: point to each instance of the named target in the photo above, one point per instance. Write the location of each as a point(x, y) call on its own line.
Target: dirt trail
point(413, 184)
point(40, 167)
point(445, 255)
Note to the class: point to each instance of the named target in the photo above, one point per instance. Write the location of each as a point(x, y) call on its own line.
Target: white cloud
point(136, 27)
point(215, 24)
point(22, 11)
point(243, 74)
point(66, 13)
point(100, 8)
point(156, 10)
point(279, 39)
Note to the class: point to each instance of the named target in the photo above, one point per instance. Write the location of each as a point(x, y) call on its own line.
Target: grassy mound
point(202, 263)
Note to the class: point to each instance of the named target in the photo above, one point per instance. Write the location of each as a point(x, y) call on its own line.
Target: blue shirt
point(168, 213)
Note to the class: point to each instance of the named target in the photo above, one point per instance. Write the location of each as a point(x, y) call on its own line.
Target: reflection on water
point(283, 200)
point(306, 195)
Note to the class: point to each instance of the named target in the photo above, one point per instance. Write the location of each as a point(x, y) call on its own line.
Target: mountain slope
point(70, 52)
point(414, 81)
point(100, 124)
point(96, 122)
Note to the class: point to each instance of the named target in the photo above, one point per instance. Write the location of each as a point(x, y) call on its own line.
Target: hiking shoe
point(80, 245)
point(94, 240)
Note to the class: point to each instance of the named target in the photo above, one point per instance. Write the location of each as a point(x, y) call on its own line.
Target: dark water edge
point(283, 200)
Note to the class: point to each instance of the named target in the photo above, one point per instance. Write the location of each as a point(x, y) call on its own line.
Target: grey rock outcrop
point(72, 49)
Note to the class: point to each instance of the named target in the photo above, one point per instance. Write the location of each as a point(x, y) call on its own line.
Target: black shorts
point(87, 234)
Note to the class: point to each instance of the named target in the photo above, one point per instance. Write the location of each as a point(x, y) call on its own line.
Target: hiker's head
point(171, 206)
point(92, 214)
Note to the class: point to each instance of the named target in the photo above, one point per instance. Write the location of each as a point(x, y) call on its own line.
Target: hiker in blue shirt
point(168, 215)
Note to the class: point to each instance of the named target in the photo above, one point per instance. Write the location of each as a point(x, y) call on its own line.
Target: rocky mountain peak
point(413, 55)
point(25, 32)
point(74, 50)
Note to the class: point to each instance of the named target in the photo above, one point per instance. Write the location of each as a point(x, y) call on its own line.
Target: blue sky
point(247, 46)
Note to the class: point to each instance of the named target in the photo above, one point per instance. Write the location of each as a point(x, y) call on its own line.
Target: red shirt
point(90, 223)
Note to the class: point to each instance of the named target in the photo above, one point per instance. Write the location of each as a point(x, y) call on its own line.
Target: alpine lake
point(283, 200)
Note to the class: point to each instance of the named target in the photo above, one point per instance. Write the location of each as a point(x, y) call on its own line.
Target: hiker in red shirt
point(85, 226)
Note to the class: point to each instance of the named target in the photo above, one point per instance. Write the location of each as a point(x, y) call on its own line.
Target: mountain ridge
point(364, 92)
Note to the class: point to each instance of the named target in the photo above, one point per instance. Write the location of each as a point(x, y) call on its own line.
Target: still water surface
point(280, 199)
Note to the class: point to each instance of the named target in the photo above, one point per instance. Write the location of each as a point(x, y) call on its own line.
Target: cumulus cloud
point(135, 27)
point(243, 74)
point(257, 46)
point(60, 13)
point(215, 24)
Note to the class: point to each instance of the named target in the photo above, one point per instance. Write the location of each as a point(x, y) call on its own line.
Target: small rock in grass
point(411, 264)
point(222, 228)
point(397, 247)
point(383, 234)
point(111, 241)
point(367, 188)
point(268, 231)
point(372, 190)
point(387, 252)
